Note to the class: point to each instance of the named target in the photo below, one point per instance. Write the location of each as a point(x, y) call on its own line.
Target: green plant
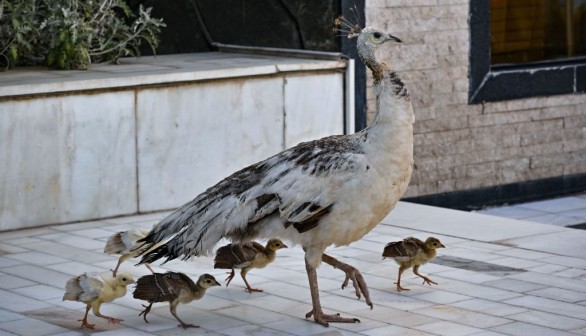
point(20, 37)
point(71, 34)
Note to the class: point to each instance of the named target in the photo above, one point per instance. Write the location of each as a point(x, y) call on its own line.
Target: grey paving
point(497, 276)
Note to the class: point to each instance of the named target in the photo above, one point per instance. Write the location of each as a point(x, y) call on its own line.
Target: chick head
point(433, 243)
point(275, 244)
point(207, 281)
point(124, 279)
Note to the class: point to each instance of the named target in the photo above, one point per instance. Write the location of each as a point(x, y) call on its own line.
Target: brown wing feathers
point(237, 255)
point(407, 247)
point(160, 287)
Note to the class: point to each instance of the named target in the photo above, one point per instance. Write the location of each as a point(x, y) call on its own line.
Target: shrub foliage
point(71, 34)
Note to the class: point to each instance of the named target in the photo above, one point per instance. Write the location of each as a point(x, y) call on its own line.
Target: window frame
point(521, 81)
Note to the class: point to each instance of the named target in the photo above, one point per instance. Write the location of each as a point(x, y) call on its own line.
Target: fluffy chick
point(246, 257)
point(94, 289)
point(412, 252)
point(125, 244)
point(172, 287)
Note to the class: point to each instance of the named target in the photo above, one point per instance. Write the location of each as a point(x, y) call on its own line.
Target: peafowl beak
point(396, 39)
point(217, 283)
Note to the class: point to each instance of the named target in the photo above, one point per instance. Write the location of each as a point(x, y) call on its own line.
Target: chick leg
point(173, 308)
point(230, 277)
point(426, 280)
point(96, 310)
point(318, 314)
point(146, 310)
point(84, 322)
point(352, 273)
point(149, 267)
point(398, 283)
point(115, 270)
point(248, 288)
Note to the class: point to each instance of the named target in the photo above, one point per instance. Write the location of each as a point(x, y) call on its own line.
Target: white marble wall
point(313, 107)
point(66, 159)
point(191, 137)
point(89, 156)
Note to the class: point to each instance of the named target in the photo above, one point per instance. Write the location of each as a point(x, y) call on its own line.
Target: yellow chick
point(412, 252)
point(124, 243)
point(94, 289)
point(246, 257)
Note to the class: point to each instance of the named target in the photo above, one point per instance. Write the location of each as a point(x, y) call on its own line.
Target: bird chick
point(94, 290)
point(172, 287)
point(412, 252)
point(246, 257)
point(125, 244)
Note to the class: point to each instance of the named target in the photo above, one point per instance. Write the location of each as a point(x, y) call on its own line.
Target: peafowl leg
point(352, 273)
point(318, 314)
point(146, 310)
point(173, 308)
point(230, 277)
point(248, 288)
point(115, 270)
point(96, 310)
point(149, 267)
point(426, 280)
point(398, 283)
point(84, 322)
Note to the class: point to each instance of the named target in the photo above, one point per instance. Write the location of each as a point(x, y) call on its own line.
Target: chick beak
point(217, 283)
point(285, 246)
point(396, 39)
point(442, 245)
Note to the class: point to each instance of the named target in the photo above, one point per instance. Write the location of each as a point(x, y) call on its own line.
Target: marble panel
point(66, 158)
point(314, 107)
point(191, 137)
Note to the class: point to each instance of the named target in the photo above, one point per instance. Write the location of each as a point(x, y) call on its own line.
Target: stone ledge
point(154, 71)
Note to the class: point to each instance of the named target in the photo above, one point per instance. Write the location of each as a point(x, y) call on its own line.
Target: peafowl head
point(367, 39)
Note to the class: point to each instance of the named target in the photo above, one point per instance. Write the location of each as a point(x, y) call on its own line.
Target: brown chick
point(246, 257)
point(93, 290)
point(125, 244)
point(412, 252)
point(172, 287)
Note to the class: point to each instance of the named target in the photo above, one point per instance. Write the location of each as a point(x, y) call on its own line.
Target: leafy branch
point(71, 34)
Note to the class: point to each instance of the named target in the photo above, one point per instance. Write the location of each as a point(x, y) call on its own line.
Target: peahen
point(330, 191)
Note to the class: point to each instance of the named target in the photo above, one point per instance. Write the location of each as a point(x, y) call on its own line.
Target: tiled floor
point(562, 211)
point(497, 276)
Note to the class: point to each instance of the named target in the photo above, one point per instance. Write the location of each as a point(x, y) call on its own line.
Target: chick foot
point(352, 273)
point(428, 281)
point(86, 324)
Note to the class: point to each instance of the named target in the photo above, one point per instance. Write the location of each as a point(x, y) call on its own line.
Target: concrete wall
point(94, 154)
point(460, 146)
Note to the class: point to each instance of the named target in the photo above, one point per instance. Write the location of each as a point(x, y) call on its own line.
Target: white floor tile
point(524, 329)
point(31, 327)
point(448, 329)
point(549, 320)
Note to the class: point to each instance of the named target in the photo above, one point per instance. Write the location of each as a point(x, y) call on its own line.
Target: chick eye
point(123, 279)
point(208, 281)
point(377, 35)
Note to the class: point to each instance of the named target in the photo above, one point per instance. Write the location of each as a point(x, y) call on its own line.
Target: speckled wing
point(84, 287)
point(404, 250)
point(237, 255)
point(299, 185)
point(159, 287)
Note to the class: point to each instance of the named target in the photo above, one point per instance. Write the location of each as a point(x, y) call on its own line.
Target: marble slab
point(191, 137)
point(66, 158)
